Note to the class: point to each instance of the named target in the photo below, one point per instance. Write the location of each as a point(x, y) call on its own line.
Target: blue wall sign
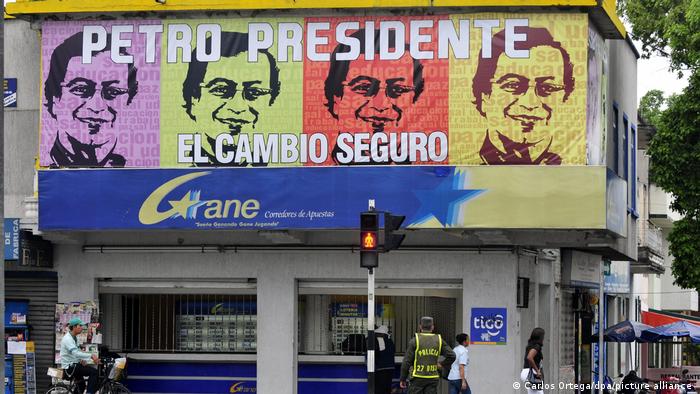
point(16, 312)
point(11, 237)
point(186, 377)
point(618, 280)
point(10, 90)
point(489, 326)
point(596, 350)
point(248, 199)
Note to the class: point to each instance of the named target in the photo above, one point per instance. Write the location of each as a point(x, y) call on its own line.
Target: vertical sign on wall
point(489, 326)
point(11, 237)
point(10, 90)
point(601, 311)
point(31, 368)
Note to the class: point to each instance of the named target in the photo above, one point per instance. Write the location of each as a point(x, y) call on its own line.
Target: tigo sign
point(489, 326)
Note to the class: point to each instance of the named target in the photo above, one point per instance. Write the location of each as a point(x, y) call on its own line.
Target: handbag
point(532, 378)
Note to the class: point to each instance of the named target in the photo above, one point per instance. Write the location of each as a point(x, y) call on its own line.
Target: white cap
point(382, 330)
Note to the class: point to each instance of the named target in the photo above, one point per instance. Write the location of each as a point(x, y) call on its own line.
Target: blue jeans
point(455, 387)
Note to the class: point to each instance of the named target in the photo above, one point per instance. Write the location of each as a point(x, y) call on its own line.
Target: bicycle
point(107, 381)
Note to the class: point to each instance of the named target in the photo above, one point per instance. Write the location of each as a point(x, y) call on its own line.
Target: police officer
point(420, 364)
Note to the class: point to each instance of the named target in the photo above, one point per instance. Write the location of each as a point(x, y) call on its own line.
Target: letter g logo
point(149, 214)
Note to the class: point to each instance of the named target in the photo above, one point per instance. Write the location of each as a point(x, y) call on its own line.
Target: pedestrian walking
point(420, 370)
point(531, 375)
point(458, 372)
point(384, 361)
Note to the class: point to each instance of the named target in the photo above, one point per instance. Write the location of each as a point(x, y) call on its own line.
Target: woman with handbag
point(531, 374)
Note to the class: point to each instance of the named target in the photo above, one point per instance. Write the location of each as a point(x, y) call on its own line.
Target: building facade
point(659, 300)
point(244, 275)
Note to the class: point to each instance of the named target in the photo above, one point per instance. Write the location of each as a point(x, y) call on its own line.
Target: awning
point(657, 318)
point(680, 329)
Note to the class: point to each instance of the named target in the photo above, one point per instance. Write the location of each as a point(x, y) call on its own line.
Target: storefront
point(582, 276)
point(669, 358)
point(38, 292)
point(210, 321)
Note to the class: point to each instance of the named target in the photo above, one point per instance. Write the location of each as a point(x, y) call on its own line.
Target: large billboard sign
point(509, 197)
point(452, 89)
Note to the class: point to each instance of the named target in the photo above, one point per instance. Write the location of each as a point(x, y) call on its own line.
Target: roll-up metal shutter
point(41, 289)
point(567, 339)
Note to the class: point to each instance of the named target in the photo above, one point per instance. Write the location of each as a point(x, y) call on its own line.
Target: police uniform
point(420, 364)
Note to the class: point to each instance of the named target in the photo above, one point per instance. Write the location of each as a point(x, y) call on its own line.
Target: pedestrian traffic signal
point(369, 239)
point(392, 223)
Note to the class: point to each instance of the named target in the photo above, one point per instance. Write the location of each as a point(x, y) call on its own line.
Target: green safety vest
point(425, 360)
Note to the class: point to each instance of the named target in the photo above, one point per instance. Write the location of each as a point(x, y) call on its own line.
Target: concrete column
point(491, 283)
point(277, 331)
point(76, 278)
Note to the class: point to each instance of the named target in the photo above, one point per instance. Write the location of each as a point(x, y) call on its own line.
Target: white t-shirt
point(462, 358)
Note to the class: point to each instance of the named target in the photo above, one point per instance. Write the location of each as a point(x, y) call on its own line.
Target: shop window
point(616, 138)
point(337, 324)
point(626, 150)
point(201, 323)
point(663, 354)
point(653, 355)
point(632, 186)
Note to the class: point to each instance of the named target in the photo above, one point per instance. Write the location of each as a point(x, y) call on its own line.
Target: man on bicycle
point(74, 361)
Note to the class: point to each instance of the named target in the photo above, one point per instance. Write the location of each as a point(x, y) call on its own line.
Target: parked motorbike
point(633, 384)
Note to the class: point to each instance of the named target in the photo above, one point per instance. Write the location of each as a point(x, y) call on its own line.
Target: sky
point(653, 74)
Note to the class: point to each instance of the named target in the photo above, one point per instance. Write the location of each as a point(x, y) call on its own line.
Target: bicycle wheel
point(58, 388)
point(117, 388)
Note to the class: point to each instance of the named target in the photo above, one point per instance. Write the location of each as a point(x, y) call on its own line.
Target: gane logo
point(188, 206)
point(239, 388)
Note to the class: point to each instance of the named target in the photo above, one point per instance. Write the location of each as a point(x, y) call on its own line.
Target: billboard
point(515, 197)
point(449, 89)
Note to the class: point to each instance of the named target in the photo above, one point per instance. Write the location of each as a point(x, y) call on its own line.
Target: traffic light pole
point(370, 323)
point(369, 258)
point(370, 331)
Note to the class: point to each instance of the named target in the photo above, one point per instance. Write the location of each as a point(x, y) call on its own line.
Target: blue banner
point(489, 326)
point(346, 309)
point(10, 92)
point(11, 237)
point(190, 377)
point(249, 199)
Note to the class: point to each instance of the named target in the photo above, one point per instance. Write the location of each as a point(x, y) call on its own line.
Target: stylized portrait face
point(523, 97)
point(231, 94)
point(85, 105)
point(372, 95)
point(92, 95)
point(234, 93)
point(376, 94)
point(519, 96)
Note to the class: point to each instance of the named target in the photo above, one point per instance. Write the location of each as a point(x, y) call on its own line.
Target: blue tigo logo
point(489, 326)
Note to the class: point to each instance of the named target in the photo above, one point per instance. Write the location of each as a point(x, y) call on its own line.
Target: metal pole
point(601, 311)
point(370, 322)
point(370, 331)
